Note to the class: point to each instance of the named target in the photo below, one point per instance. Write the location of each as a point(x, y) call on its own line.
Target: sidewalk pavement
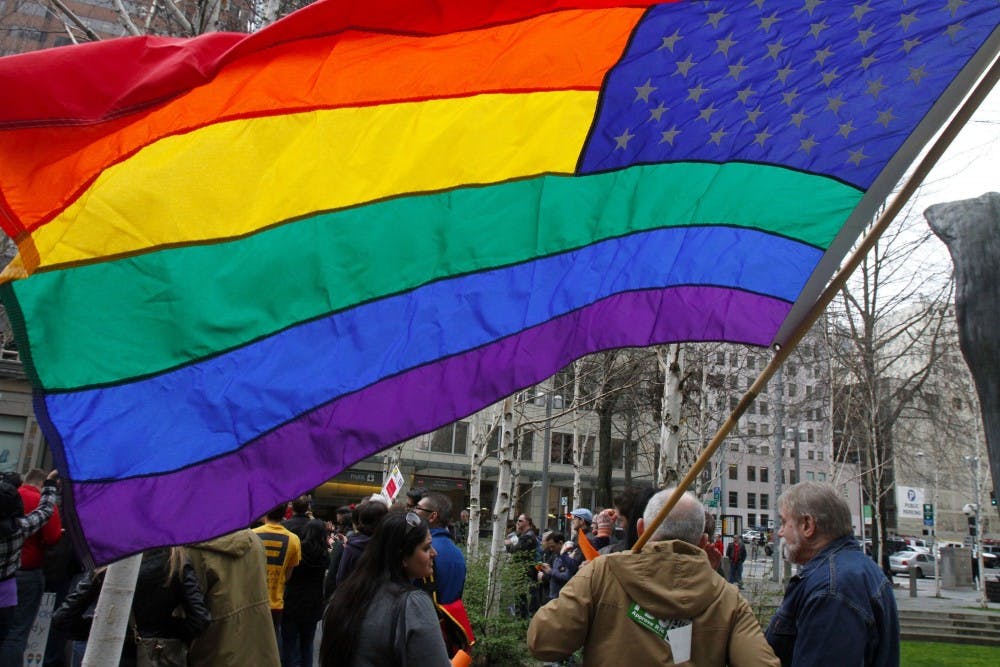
point(964, 600)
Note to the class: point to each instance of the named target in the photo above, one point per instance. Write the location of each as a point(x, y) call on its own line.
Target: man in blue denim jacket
point(840, 608)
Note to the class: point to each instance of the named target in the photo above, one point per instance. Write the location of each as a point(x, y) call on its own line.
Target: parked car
point(752, 536)
point(901, 561)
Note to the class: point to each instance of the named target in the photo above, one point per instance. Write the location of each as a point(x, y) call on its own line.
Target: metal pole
point(979, 533)
point(798, 458)
point(934, 544)
point(546, 455)
point(779, 428)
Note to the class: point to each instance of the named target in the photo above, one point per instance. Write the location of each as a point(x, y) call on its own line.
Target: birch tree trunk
point(104, 646)
point(671, 361)
point(480, 450)
point(501, 508)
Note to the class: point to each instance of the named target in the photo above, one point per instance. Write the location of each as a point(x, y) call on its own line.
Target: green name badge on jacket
point(676, 632)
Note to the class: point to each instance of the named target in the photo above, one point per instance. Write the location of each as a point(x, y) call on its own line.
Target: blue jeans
point(297, 642)
point(30, 586)
point(736, 573)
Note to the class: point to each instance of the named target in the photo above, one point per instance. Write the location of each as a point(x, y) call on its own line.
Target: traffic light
point(972, 525)
point(993, 498)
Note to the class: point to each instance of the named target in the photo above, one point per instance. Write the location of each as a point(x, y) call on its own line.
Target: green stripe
point(106, 322)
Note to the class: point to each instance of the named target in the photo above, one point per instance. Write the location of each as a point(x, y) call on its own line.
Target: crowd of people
point(386, 583)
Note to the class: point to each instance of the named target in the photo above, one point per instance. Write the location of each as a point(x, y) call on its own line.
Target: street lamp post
point(935, 553)
point(977, 542)
point(779, 427)
point(546, 455)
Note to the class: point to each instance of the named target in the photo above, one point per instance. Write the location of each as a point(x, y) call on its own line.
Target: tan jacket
point(671, 580)
point(232, 571)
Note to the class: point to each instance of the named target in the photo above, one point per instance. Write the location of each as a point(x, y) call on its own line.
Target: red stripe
point(87, 83)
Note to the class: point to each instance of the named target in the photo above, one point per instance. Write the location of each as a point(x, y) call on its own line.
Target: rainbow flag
point(247, 262)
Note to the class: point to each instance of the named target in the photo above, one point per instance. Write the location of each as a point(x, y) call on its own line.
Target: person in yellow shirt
point(283, 551)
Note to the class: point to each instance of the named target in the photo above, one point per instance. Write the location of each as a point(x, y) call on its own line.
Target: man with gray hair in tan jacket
point(663, 606)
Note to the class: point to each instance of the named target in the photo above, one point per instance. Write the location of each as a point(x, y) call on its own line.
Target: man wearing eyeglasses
point(449, 566)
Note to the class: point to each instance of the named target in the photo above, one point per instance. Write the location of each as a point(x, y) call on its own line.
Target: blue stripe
point(223, 402)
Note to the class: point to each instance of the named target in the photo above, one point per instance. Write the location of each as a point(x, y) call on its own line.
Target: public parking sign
point(928, 514)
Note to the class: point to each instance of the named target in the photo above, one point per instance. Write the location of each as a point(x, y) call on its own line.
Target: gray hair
point(822, 502)
point(686, 520)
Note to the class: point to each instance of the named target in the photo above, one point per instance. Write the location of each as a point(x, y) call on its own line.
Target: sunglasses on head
point(413, 520)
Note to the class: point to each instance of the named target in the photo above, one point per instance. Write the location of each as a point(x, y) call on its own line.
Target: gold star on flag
point(669, 42)
point(761, 137)
point(861, 10)
point(857, 156)
point(917, 74)
point(723, 45)
point(696, 92)
point(706, 113)
point(816, 28)
point(744, 94)
point(643, 92)
point(906, 20)
point(684, 66)
point(622, 140)
point(667, 137)
point(885, 117)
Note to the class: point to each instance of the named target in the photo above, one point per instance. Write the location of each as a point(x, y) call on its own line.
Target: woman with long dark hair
point(377, 617)
point(304, 596)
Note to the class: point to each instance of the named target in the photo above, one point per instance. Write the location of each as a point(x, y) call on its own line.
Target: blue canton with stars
point(830, 87)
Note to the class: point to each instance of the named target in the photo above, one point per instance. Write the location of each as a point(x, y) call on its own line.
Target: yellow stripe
point(233, 178)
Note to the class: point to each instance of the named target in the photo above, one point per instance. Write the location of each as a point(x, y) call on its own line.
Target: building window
point(751, 519)
point(451, 439)
point(752, 409)
point(734, 471)
point(763, 408)
point(765, 501)
point(733, 382)
point(810, 475)
point(751, 474)
point(751, 449)
point(956, 403)
point(733, 402)
point(792, 369)
point(792, 477)
point(792, 389)
point(809, 391)
point(810, 435)
point(734, 446)
point(561, 450)
point(527, 445)
point(822, 476)
point(720, 403)
point(765, 429)
point(763, 475)
point(751, 362)
point(720, 358)
point(751, 428)
point(733, 499)
point(752, 501)
point(819, 455)
point(812, 455)
point(734, 360)
point(618, 450)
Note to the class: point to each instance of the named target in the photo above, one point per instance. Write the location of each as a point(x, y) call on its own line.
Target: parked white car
point(901, 561)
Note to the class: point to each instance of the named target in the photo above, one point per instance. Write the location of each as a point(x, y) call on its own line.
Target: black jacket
point(153, 606)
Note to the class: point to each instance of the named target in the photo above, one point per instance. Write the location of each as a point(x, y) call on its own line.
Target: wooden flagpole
point(782, 352)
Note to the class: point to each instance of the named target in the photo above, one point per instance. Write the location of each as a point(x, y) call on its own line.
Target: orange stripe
point(44, 169)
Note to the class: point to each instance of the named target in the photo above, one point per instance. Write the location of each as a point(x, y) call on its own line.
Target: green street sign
point(711, 503)
point(928, 511)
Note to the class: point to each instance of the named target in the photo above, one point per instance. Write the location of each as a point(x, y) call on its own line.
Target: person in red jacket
point(30, 579)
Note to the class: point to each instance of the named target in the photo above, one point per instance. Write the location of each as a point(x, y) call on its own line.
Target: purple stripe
point(300, 455)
